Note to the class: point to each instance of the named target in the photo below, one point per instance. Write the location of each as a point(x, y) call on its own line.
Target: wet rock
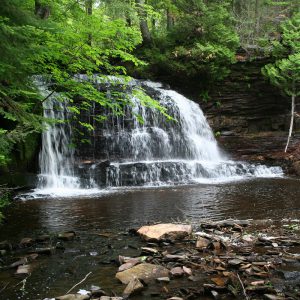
point(171, 257)
point(23, 270)
point(66, 236)
point(145, 271)
point(128, 265)
point(110, 298)
point(177, 272)
point(294, 275)
point(273, 297)
point(19, 262)
point(46, 251)
point(133, 287)
point(175, 298)
point(96, 291)
point(248, 238)
point(215, 294)
point(202, 243)
point(26, 242)
point(73, 297)
point(5, 245)
point(163, 279)
point(187, 271)
point(148, 250)
point(219, 281)
point(165, 231)
point(3, 252)
point(234, 262)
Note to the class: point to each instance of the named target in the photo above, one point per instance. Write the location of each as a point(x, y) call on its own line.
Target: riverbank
point(231, 259)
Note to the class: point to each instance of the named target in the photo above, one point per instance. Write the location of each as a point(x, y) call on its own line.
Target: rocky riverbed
point(231, 259)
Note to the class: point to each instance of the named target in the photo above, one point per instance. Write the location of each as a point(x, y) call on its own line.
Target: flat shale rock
point(133, 287)
point(73, 297)
point(146, 272)
point(110, 298)
point(165, 231)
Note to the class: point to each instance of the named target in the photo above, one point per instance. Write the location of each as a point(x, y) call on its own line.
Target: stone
point(23, 270)
point(175, 298)
point(67, 236)
point(187, 271)
point(177, 272)
point(273, 297)
point(26, 242)
point(110, 298)
point(5, 245)
point(128, 265)
point(148, 250)
point(145, 271)
point(160, 232)
point(202, 243)
point(46, 251)
point(163, 279)
point(172, 257)
point(133, 287)
point(235, 262)
point(73, 297)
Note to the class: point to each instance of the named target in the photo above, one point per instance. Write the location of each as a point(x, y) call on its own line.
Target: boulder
point(165, 231)
point(145, 271)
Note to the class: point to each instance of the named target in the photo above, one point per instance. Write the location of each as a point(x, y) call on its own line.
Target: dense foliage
point(285, 72)
point(61, 38)
point(56, 39)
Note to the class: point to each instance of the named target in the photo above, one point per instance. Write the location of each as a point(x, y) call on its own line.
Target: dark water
point(116, 212)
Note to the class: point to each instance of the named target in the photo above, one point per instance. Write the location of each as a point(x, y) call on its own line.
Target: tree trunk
point(89, 12)
point(170, 20)
point(292, 122)
point(42, 11)
point(147, 40)
point(257, 17)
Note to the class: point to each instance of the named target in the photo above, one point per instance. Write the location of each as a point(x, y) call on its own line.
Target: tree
point(285, 72)
point(57, 46)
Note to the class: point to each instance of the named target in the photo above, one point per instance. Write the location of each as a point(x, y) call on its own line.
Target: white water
point(56, 158)
point(156, 152)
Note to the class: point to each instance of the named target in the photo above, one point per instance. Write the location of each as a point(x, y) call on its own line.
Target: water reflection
point(123, 209)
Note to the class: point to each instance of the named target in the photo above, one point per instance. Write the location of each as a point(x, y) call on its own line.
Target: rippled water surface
point(118, 210)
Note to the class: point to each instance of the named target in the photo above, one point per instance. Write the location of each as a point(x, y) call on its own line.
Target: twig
point(86, 276)
point(4, 287)
point(244, 291)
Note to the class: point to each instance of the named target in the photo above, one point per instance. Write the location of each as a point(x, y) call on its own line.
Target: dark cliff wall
point(246, 103)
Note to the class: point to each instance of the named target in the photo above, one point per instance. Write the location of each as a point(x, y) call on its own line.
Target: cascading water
point(56, 158)
point(126, 152)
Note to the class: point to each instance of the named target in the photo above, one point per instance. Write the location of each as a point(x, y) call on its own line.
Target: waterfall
point(125, 151)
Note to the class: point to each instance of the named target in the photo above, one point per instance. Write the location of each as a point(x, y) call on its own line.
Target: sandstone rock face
point(165, 231)
point(146, 272)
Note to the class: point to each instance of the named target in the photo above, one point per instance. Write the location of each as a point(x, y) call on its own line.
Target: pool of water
point(117, 211)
